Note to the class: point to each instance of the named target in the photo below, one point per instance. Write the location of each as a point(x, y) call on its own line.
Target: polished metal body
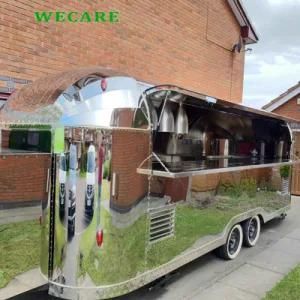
point(129, 198)
point(181, 122)
point(166, 122)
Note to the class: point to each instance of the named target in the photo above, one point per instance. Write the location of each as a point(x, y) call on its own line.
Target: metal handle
point(114, 190)
point(48, 177)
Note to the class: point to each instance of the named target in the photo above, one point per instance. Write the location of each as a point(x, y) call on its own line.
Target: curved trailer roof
point(221, 102)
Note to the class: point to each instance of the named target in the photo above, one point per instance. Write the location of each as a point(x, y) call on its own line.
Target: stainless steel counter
point(211, 166)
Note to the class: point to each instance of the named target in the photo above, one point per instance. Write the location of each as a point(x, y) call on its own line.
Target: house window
point(8, 86)
point(3, 98)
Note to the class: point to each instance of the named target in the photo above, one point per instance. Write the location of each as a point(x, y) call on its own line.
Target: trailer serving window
point(195, 133)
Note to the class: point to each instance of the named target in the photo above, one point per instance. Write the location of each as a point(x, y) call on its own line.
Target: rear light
point(99, 237)
point(103, 84)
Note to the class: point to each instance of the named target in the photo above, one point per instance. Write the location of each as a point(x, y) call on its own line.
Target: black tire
point(283, 216)
point(233, 245)
point(251, 230)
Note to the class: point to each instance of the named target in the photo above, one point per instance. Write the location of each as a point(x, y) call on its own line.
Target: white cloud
point(274, 64)
point(270, 80)
point(281, 67)
point(281, 2)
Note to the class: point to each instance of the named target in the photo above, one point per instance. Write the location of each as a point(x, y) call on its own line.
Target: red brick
point(23, 177)
point(186, 43)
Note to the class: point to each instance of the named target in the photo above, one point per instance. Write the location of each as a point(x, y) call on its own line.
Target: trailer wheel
point(233, 245)
point(283, 216)
point(251, 229)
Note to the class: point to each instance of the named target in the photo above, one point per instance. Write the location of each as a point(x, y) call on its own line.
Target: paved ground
point(23, 282)
point(250, 276)
point(20, 214)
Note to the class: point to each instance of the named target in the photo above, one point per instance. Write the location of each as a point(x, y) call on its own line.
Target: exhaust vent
point(162, 222)
point(285, 186)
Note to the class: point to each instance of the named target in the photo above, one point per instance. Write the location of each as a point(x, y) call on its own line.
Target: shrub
point(107, 170)
point(249, 186)
point(246, 185)
point(285, 171)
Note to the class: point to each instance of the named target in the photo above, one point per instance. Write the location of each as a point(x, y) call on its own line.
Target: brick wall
point(129, 149)
point(187, 42)
point(289, 109)
point(23, 178)
point(175, 188)
point(4, 138)
point(292, 110)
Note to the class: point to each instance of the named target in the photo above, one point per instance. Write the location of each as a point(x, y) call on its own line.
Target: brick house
point(187, 43)
point(288, 104)
point(198, 45)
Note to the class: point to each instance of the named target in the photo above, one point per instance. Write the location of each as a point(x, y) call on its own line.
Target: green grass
point(59, 244)
point(122, 254)
point(126, 252)
point(19, 249)
point(89, 236)
point(288, 288)
point(191, 225)
point(44, 246)
point(105, 193)
point(60, 239)
point(268, 200)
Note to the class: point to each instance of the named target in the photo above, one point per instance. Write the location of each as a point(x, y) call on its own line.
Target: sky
point(273, 66)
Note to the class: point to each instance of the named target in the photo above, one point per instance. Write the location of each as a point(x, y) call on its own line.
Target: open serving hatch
point(197, 134)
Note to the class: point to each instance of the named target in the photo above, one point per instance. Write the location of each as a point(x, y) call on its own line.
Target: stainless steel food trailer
point(141, 182)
